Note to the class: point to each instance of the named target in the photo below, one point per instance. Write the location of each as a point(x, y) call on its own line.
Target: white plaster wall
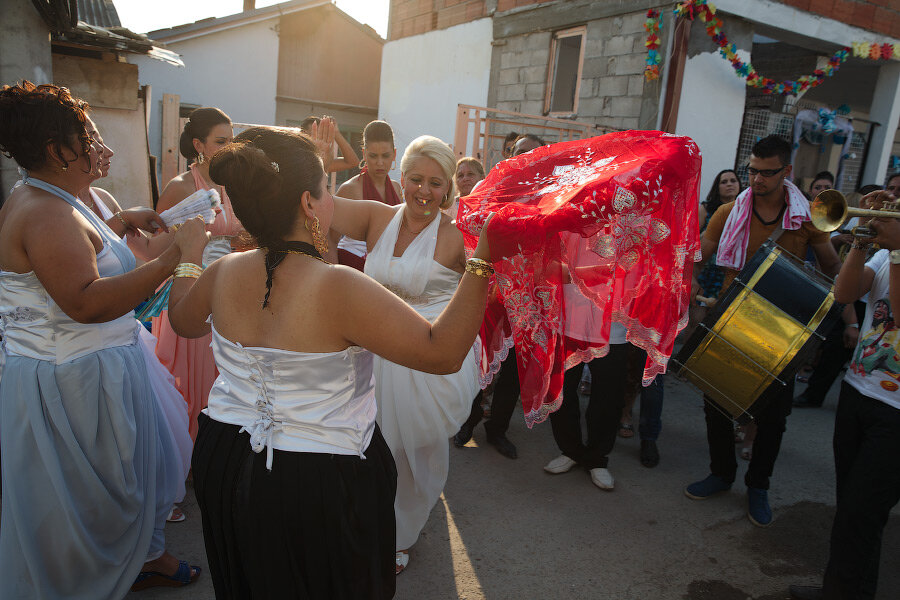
point(711, 110)
point(424, 77)
point(235, 70)
point(788, 18)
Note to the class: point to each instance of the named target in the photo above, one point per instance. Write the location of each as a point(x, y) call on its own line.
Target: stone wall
point(612, 89)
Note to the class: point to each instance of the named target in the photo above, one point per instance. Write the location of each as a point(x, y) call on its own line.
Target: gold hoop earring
point(362, 164)
point(319, 239)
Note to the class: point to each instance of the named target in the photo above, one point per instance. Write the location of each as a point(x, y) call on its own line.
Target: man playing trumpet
point(867, 423)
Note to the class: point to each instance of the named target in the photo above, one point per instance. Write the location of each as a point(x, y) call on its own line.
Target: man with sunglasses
point(771, 208)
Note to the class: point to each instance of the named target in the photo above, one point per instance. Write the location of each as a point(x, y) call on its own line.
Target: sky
point(145, 15)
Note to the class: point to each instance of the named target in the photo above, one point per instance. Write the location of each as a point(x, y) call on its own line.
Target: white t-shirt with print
point(875, 366)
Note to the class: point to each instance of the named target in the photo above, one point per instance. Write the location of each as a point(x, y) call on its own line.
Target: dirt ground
point(505, 529)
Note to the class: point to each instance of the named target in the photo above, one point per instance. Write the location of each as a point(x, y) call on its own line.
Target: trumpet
point(829, 211)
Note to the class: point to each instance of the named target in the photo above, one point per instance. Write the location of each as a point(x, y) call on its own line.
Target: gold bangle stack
point(119, 216)
point(190, 270)
point(479, 268)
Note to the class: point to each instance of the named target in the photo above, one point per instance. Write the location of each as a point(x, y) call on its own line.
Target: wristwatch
point(895, 257)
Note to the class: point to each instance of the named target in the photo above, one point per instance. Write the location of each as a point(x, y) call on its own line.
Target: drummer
point(772, 207)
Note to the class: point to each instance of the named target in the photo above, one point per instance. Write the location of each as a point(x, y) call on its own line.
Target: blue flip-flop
point(185, 575)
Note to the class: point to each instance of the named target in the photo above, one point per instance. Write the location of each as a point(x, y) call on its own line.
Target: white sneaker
point(560, 464)
point(602, 478)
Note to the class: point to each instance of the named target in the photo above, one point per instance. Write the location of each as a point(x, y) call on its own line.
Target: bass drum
point(764, 327)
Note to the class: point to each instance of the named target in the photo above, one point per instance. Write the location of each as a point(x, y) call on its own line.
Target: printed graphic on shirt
point(877, 352)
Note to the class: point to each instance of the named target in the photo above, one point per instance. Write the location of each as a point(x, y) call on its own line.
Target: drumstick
point(710, 302)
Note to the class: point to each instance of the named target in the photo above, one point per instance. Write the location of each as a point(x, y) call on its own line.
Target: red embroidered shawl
point(617, 214)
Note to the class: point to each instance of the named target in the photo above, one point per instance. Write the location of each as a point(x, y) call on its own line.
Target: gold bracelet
point(187, 270)
point(119, 216)
point(479, 268)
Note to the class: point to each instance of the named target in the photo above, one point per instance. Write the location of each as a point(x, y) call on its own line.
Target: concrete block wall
point(612, 81)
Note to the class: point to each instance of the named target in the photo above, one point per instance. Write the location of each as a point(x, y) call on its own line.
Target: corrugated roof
point(101, 13)
point(95, 24)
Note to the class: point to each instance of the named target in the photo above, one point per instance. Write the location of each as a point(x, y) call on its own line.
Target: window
point(564, 73)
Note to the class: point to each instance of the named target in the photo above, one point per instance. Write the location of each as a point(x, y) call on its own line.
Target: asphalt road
point(504, 529)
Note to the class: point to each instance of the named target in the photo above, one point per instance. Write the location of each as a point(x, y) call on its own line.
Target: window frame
point(562, 34)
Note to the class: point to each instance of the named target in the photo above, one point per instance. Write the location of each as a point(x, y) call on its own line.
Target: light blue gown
point(89, 474)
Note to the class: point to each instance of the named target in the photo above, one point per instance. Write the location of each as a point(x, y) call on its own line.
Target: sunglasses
point(765, 172)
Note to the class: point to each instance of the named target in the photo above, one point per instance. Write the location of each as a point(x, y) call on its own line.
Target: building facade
point(584, 60)
point(274, 65)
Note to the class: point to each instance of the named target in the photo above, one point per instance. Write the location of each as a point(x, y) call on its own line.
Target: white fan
point(201, 203)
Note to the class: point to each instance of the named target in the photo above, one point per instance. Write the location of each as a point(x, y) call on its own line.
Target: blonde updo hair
point(428, 146)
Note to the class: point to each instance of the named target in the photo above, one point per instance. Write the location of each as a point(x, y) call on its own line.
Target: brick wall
point(412, 17)
point(882, 16)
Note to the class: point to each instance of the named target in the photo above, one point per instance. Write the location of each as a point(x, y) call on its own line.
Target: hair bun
point(245, 171)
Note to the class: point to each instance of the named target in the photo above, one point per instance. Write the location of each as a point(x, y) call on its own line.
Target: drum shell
point(764, 327)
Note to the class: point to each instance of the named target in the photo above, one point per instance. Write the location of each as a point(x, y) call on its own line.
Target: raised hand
point(322, 134)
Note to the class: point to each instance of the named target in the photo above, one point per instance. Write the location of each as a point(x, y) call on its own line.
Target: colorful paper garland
point(706, 12)
point(652, 25)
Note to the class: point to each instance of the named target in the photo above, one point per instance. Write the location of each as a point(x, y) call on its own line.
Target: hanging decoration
point(874, 51)
point(652, 25)
point(706, 13)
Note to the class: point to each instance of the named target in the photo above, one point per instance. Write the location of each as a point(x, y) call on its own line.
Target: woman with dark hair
point(144, 247)
point(725, 188)
point(294, 480)
point(87, 472)
point(509, 143)
point(372, 183)
point(190, 360)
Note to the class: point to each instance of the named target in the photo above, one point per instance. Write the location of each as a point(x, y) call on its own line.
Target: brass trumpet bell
point(829, 211)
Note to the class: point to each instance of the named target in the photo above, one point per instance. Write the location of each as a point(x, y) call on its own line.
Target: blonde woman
point(417, 252)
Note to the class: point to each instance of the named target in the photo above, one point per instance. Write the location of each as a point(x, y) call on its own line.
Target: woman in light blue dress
point(88, 475)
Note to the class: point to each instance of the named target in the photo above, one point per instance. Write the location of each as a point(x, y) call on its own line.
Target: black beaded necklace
point(773, 221)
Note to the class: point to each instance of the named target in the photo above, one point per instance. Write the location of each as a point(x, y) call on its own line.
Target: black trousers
point(867, 468)
point(603, 412)
point(771, 423)
point(832, 359)
point(506, 395)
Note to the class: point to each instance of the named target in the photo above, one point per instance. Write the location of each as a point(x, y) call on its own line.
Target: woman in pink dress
point(191, 360)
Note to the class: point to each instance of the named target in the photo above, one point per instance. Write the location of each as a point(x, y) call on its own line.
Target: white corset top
point(295, 401)
point(35, 326)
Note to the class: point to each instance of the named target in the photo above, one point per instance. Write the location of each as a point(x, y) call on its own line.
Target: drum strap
point(776, 233)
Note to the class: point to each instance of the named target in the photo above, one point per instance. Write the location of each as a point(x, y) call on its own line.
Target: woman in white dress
point(417, 252)
point(87, 474)
point(294, 480)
